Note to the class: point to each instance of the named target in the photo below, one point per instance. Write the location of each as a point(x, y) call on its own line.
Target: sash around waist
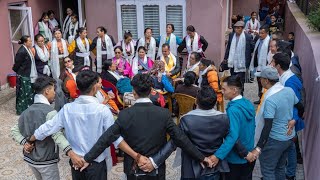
point(80, 54)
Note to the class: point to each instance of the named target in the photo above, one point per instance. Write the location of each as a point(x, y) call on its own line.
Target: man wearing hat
point(272, 137)
point(238, 52)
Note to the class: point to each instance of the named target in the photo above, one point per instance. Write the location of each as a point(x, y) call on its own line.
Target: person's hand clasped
point(28, 147)
point(251, 157)
point(147, 167)
point(214, 160)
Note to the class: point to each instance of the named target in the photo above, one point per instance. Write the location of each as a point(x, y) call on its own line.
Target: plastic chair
point(185, 102)
point(107, 86)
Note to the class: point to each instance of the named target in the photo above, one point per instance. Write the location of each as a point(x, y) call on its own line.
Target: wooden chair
point(107, 86)
point(185, 102)
point(168, 98)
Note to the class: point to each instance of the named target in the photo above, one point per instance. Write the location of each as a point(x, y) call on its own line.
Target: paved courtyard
point(12, 166)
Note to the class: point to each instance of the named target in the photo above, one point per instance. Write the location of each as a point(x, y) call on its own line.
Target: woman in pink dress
point(123, 66)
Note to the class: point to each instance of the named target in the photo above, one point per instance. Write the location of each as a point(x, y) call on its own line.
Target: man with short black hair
point(172, 63)
point(260, 56)
point(144, 126)
point(206, 128)
point(84, 121)
point(241, 114)
point(44, 159)
point(281, 62)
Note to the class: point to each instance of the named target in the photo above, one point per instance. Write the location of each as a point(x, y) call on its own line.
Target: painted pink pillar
point(209, 19)
point(101, 13)
point(245, 7)
point(307, 45)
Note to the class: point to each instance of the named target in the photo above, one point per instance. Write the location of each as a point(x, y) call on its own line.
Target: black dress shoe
point(256, 102)
point(290, 178)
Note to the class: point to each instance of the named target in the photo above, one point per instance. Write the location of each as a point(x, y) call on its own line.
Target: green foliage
point(314, 18)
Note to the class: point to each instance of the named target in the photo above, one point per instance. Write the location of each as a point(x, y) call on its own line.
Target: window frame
point(140, 20)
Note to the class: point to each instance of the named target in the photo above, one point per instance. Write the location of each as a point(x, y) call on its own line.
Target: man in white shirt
point(84, 121)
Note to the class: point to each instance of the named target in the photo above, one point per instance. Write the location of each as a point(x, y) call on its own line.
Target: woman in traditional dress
point(68, 77)
point(66, 23)
point(59, 50)
point(43, 27)
point(160, 80)
point(193, 42)
point(149, 43)
point(127, 45)
point(73, 28)
point(25, 67)
point(80, 48)
point(41, 55)
point(194, 63)
point(102, 47)
point(123, 66)
point(253, 25)
point(54, 23)
point(141, 63)
point(169, 38)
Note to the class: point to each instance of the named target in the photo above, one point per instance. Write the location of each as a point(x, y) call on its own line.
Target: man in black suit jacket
point(144, 127)
point(233, 56)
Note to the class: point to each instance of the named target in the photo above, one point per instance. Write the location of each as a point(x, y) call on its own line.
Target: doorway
point(78, 7)
point(20, 23)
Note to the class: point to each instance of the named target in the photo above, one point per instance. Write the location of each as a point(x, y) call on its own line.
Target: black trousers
point(95, 171)
point(259, 88)
point(133, 177)
point(242, 76)
point(240, 171)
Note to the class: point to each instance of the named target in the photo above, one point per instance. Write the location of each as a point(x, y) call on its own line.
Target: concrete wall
point(307, 45)
point(208, 17)
point(245, 7)
point(38, 6)
point(95, 17)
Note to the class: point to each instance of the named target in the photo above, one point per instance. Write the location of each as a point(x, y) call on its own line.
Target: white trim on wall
point(139, 8)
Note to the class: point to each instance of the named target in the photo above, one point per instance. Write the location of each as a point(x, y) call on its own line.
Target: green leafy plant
point(314, 18)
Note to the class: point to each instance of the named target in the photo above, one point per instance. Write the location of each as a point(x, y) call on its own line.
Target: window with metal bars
point(129, 19)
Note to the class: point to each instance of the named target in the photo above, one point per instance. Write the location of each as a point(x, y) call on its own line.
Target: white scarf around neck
point(195, 46)
point(125, 55)
point(269, 56)
point(262, 56)
point(44, 57)
point(110, 52)
point(33, 73)
point(193, 67)
point(54, 23)
point(172, 43)
point(201, 74)
point(47, 31)
point(152, 47)
point(73, 33)
point(237, 53)
point(65, 27)
point(135, 64)
point(84, 50)
point(55, 64)
point(174, 61)
point(259, 116)
point(285, 76)
point(115, 75)
point(40, 98)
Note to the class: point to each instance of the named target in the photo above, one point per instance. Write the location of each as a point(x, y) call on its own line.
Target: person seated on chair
point(188, 87)
point(194, 63)
point(141, 63)
point(105, 98)
point(172, 64)
point(109, 72)
point(160, 80)
point(209, 77)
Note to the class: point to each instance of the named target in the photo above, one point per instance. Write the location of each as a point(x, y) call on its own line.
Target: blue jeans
point(273, 159)
point(292, 161)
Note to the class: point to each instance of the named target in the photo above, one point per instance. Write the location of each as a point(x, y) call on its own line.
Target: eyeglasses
point(68, 61)
point(118, 52)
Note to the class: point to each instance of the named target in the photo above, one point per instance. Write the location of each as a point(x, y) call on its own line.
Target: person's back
point(188, 90)
point(279, 107)
point(29, 121)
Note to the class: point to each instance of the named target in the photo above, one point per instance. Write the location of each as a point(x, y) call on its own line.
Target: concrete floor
point(12, 166)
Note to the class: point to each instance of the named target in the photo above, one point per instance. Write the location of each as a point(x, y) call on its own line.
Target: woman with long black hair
point(25, 67)
point(43, 27)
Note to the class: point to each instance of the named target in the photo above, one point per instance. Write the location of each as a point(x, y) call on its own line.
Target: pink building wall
point(38, 6)
point(245, 7)
point(307, 45)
